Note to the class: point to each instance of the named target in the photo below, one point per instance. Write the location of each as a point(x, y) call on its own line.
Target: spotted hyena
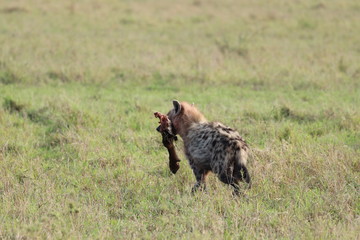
point(210, 147)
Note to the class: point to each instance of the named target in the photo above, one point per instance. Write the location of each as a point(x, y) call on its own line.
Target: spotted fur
point(210, 147)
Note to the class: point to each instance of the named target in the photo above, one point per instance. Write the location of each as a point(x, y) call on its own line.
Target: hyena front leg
point(200, 175)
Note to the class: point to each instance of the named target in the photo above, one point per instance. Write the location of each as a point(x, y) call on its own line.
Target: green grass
point(79, 81)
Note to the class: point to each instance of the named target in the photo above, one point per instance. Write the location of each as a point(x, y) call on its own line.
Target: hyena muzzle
point(210, 147)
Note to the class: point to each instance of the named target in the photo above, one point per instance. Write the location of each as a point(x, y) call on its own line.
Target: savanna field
point(80, 80)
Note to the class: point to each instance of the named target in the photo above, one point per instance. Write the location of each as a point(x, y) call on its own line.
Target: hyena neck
point(187, 128)
point(186, 117)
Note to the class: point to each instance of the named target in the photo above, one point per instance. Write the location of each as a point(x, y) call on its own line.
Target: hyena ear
point(177, 107)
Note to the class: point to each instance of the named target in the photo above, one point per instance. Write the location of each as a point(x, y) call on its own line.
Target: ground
point(80, 80)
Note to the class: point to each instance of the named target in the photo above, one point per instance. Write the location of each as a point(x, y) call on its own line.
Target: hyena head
point(182, 116)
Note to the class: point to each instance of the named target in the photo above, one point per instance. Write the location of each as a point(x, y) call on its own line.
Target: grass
point(79, 81)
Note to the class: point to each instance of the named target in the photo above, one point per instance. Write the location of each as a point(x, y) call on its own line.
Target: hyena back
point(210, 147)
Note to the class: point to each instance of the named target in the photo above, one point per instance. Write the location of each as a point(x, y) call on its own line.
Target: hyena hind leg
point(230, 180)
point(246, 176)
point(241, 173)
point(200, 175)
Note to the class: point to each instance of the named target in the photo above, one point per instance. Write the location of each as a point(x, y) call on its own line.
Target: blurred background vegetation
point(79, 81)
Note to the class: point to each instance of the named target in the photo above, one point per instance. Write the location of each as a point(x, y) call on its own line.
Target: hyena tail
point(240, 170)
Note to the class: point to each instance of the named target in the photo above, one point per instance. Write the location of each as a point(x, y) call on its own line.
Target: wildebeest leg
point(173, 160)
point(200, 175)
point(168, 142)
